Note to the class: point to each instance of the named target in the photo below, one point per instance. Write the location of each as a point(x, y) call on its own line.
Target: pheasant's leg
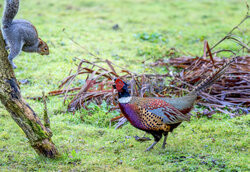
point(157, 137)
point(151, 147)
point(164, 141)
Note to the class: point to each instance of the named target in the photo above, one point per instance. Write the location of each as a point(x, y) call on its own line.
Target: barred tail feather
point(213, 77)
point(10, 11)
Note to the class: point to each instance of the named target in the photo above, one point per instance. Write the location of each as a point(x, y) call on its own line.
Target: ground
point(147, 29)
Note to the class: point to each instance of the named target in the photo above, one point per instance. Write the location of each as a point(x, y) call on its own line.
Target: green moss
point(38, 130)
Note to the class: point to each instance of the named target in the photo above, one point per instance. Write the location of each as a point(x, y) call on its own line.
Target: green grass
point(148, 29)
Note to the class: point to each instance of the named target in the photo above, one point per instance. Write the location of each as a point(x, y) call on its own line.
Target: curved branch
point(10, 96)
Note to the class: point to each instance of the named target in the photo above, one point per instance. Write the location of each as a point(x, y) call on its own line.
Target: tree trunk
point(39, 136)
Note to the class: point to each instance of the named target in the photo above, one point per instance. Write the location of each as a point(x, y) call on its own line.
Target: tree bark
point(39, 136)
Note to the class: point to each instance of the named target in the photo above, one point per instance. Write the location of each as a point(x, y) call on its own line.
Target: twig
point(230, 32)
point(122, 121)
point(219, 51)
point(85, 49)
point(45, 115)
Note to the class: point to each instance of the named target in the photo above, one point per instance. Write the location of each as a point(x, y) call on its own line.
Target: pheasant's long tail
point(213, 77)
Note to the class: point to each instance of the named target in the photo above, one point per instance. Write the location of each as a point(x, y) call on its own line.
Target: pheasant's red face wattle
point(119, 84)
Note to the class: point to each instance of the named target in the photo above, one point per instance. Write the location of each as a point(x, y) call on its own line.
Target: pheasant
point(159, 116)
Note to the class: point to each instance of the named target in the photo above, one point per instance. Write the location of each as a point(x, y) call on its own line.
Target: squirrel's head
point(43, 48)
point(120, 85)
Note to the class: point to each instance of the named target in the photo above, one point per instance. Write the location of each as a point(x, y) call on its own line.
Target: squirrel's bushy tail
point(213, 77)
point(10, 11)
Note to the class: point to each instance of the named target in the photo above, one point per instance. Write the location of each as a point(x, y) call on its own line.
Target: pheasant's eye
point(45, 48)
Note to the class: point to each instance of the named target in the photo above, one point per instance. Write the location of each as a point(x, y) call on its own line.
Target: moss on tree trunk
point(39, 136)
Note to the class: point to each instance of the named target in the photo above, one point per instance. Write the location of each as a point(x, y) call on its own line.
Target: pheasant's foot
point(151, 147)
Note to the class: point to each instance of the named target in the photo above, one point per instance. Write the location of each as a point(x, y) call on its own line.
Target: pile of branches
point(232, 90)
point(97, 84)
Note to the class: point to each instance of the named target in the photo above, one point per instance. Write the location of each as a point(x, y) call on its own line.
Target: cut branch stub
point(39, 136)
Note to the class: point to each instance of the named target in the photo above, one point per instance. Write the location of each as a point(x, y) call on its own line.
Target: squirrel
point(20, 34)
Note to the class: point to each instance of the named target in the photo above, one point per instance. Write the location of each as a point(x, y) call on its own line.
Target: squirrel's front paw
point(7, 47)
point(13, 65)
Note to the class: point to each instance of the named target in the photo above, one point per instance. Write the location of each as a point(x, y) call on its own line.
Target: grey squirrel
point(20, 34)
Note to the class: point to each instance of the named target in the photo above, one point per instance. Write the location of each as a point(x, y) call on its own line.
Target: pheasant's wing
point(160, 108)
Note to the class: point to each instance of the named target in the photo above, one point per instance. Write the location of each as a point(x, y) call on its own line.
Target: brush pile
point(96, 79)
point(232, 90)
point(231, 94)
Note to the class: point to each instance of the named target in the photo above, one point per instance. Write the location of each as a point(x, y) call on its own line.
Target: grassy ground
point(88, 143)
